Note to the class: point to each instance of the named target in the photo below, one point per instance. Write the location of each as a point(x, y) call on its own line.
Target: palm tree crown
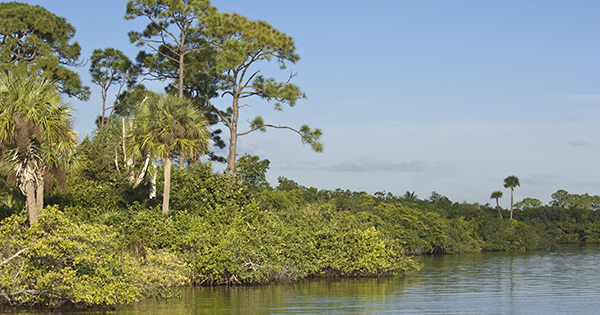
point(497, 195)
point(36, 130)
point(165, 125)
point(511, 182)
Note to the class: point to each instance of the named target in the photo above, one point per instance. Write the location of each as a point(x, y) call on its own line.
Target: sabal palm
point(36, 130)
point(497, 195)
point(165, 125)
point(511, 182)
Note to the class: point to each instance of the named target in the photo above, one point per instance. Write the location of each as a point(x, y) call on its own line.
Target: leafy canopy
point(34, 40)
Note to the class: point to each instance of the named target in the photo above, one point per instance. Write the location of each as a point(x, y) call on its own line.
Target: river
point(566, 281)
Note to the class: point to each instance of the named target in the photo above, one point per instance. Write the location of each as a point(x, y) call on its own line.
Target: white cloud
point(539, 179)
point(364, 165)
point(587, 97)
point(250, 146)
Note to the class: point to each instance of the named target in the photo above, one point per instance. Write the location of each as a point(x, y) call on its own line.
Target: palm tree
point(36, 130)
point(410, 196)
point(497, 195)
point(511, 182)
point(165, 125)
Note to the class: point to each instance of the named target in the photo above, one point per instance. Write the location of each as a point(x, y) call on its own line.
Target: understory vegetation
point(103, 242)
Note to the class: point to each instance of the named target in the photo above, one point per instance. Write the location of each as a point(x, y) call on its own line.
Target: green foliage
point(427, 232)
point(36, 130)
point(181, 53)
point(35, 41)
point(165, 125)
point(528, 203)
point(200, 191)
point(12, 200)
point(227, 231)
point(110, 67)
point(176, 29)
point(57, 261)
point(564, 199)
point(240, 44)
point(253, 171)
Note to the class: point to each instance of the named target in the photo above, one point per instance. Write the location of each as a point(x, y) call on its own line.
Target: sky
point(423, 96)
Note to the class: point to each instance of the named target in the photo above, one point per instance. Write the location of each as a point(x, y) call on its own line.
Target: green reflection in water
point(561, 282)
point(298, 297)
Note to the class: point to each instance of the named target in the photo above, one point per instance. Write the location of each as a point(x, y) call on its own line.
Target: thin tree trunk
point(181, 64)
point(139, 179)
point(180, 83)
point(233, 134)
point(153, 183)
point(181, 161)
point(104, 93)
point(232, 154)
point(167, 186)
point(39, 192)
point(511, 202)
point(117, 161)
point(498, 207)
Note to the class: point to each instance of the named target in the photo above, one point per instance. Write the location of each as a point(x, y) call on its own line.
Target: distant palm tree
point(410, 196)
point(511, 182)
point(497, 195)
point(165, 125)
point(36, 130)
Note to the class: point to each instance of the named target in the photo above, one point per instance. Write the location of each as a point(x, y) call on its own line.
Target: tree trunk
point(181, 64)
point(180, 83)
point(498, 207)
point(511, 202)
point(232, 153)
point(233, 132)
point(181, 161)
point(140, 177)
point(39, 192)
point(30, 200)
point(153, 183)
point(167, 186)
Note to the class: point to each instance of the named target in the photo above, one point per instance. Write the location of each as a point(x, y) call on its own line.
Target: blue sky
point(445, 96)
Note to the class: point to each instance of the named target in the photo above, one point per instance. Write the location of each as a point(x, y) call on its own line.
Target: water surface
point(566, 281)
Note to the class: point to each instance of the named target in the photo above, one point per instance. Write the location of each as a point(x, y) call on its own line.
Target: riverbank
point(563, 282)
point(99, 248)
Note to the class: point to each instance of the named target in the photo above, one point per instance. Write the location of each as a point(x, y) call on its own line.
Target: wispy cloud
point(249, 146)
point(587, 97)
point(364, 165)
point(579, 143)
point(539, 179)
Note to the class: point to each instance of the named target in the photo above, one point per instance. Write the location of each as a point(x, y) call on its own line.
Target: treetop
point(34, 40)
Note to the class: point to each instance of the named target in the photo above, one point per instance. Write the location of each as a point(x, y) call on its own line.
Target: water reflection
point(561, 282)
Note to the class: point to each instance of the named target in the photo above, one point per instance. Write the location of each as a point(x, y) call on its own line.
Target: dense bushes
point(56, 261)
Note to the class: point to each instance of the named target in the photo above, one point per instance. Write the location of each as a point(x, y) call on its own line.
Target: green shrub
point(60, 261)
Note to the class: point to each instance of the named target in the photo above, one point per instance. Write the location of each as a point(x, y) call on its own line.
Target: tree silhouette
point(511, 182)
point(497, 195)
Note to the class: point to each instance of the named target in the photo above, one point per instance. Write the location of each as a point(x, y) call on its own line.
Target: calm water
point(562, 282)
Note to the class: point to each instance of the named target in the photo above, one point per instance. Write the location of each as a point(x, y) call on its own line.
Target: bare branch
point(227, 122)
point(13, 256)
